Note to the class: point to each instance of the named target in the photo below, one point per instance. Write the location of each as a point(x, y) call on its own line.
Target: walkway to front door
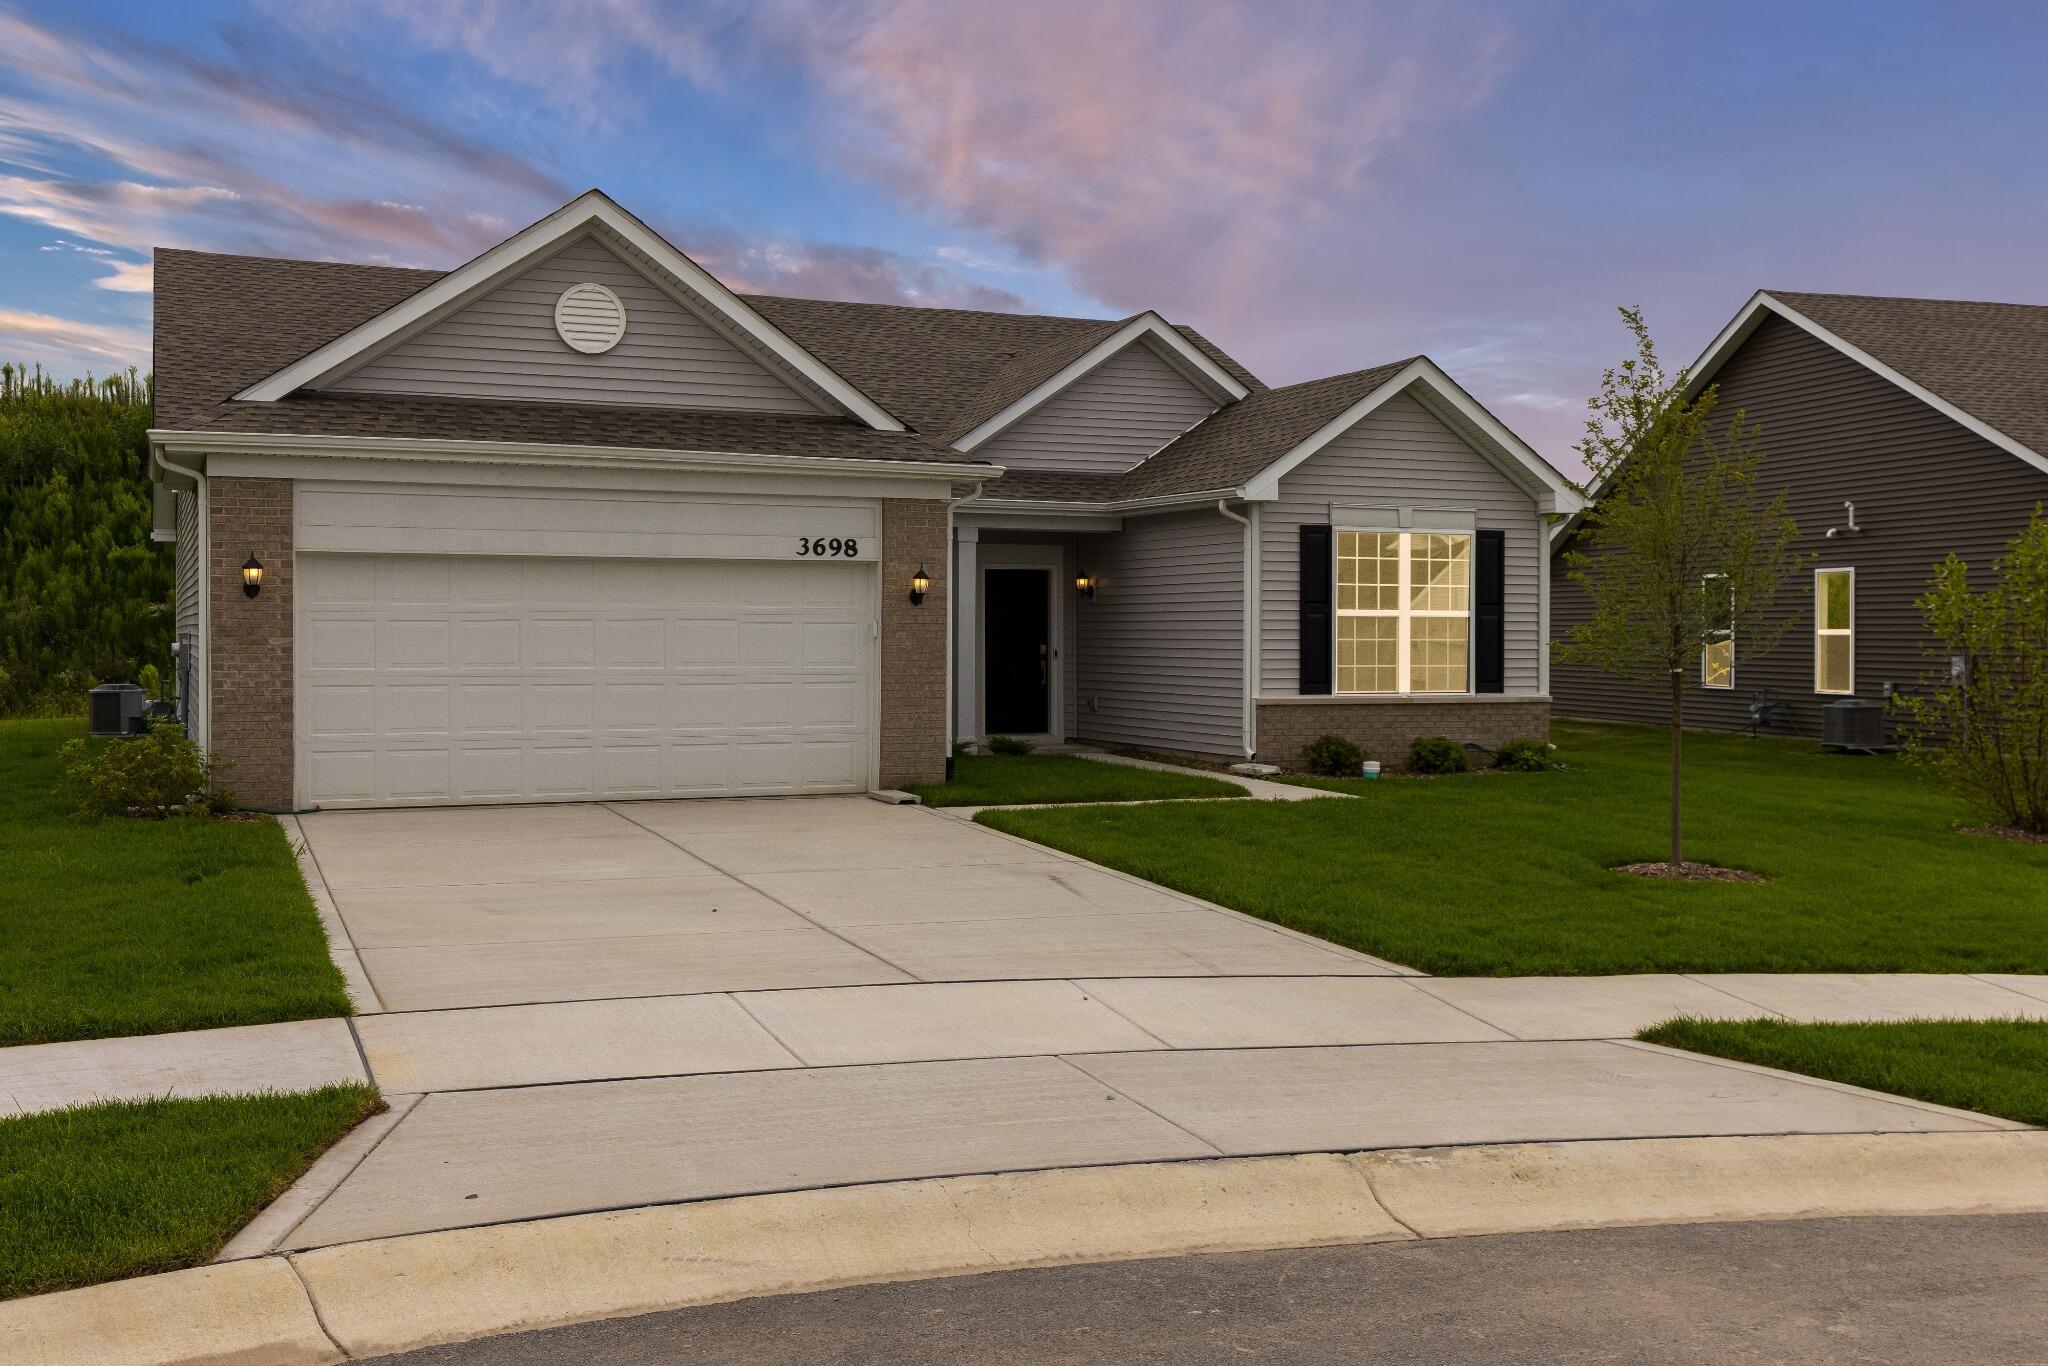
point(1017, 651)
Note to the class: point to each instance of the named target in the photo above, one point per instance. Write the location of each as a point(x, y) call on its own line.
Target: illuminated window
point(1404, 612)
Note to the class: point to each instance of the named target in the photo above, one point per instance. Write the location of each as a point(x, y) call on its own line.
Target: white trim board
point(590, 210)
point(1751, 316)
point(1147, 327)
point(1440, 393)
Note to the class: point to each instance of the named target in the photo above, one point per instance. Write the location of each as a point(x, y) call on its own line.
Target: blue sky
point(1319, 186)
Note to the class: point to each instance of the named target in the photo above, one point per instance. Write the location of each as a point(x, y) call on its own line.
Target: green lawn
point(1002, 779)
point(142, 927)
point(1496, 874)
point(1999, 1067)
point(125, 1188)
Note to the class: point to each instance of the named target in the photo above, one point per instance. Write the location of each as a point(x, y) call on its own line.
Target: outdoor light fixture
point(920, 584)
point(252, 576)
point(1084, 585)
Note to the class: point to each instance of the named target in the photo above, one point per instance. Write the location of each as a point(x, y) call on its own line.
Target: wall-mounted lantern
point(1084, 585)
point(920, 584)
point(252, 576)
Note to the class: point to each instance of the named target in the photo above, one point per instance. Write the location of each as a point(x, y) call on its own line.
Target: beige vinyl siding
point(1923, 485)
point(188, 583)
point(1162, 644)
point(1401, 454)
point(504, 345)
point(1108, 420)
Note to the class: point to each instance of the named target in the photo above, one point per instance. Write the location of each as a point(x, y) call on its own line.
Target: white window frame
point(1403, 614)
point(1714, 638)
point(1849, 631)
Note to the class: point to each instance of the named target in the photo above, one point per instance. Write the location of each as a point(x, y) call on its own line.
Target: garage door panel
point(452, 679)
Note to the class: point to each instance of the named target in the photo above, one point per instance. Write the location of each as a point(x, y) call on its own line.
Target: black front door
point(1017, 651)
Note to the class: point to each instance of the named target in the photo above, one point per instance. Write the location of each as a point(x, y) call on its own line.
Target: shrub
point(1435, 754)
point(1008, 744)
point(1523, 755)
point(1332, 756)
point(1984, 729)
point(155, 775)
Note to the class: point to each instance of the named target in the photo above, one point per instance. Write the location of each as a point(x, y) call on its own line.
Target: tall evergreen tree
point(85, 595)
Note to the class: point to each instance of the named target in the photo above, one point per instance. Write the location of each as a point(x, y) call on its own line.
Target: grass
point(1004, 779)
point(1508, 873)
point(125, 1188)
point(144, 927)
point(1997, 1067)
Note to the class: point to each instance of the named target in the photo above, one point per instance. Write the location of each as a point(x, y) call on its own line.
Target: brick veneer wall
point(1386, 728)
point(249, 665)
point(913, 738)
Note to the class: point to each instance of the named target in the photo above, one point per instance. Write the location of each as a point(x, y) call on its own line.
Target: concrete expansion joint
point(347, 1301)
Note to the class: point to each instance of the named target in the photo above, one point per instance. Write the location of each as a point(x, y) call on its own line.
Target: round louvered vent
point(590, 318)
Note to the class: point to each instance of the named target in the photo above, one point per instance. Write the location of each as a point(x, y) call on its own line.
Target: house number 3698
point(843, 547)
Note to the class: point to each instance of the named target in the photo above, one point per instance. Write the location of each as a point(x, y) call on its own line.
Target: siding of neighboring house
point(188, 569)
point(1400, 454)
point(504, 345)
point(1923, 486)
point(1161, 646)
point(1108, 420)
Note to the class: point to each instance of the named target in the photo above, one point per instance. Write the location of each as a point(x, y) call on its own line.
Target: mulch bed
point(1691, 872)
point(2005, 832)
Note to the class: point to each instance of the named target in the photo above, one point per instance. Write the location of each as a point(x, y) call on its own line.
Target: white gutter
point(1168, 502)
point(1250, 717)
point(202, 442)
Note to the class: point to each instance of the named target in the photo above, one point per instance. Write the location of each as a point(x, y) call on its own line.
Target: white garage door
point(436, 679)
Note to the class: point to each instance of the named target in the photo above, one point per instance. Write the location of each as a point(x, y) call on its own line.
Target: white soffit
point(1164, 338)
point(592, 211)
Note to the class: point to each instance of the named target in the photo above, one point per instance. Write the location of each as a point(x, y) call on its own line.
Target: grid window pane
point(1367, 654)
point(1831, 653)
point(1368, 571)
point(1718, 668)
point(1834, 604)
point(1439, 573)
point(1436, 654)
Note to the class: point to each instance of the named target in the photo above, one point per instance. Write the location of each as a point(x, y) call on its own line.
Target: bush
point(1985, 730)
point(1523, 755)
point(156, 774)
point(1332, 756)
point(1435, 754)
point(1008, 744)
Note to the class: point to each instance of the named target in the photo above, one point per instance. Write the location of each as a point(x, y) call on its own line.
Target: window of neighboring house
point(1717, 661)
point(1404, 612)
point(1834, 630)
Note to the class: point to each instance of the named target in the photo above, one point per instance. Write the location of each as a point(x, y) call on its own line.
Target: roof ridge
point(1896, 298)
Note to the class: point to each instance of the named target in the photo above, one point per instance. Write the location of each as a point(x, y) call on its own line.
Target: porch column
point(966, 632)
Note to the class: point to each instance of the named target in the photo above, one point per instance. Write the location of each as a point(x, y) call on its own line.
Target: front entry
point(1017, 651)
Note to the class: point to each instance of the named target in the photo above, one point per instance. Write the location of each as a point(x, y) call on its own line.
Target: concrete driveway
point(597, 1007)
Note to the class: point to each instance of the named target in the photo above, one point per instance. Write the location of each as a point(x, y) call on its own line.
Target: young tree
point(1985, 729)
point(1679, 547)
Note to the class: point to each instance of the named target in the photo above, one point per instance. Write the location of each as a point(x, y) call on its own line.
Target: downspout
point(1249, 717)
point(953, 617)
point(203, 645)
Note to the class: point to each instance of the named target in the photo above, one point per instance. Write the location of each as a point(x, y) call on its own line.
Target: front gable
point(505, 345)
point(639, 252)
point(1106, 421)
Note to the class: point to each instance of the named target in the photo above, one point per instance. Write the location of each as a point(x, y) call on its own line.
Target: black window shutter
point(1489, 603)
point(1316, 617)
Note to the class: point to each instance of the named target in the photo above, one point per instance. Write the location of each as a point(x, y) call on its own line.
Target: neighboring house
point(576, 522)
point(1903, 430)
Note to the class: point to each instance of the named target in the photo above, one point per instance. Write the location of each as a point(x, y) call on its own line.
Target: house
point(575, 521)
point(1902, 429)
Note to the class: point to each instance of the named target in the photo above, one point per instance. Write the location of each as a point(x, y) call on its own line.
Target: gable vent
point(590, 318)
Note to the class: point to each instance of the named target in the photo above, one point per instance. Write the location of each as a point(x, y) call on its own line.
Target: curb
point(397, 1294)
